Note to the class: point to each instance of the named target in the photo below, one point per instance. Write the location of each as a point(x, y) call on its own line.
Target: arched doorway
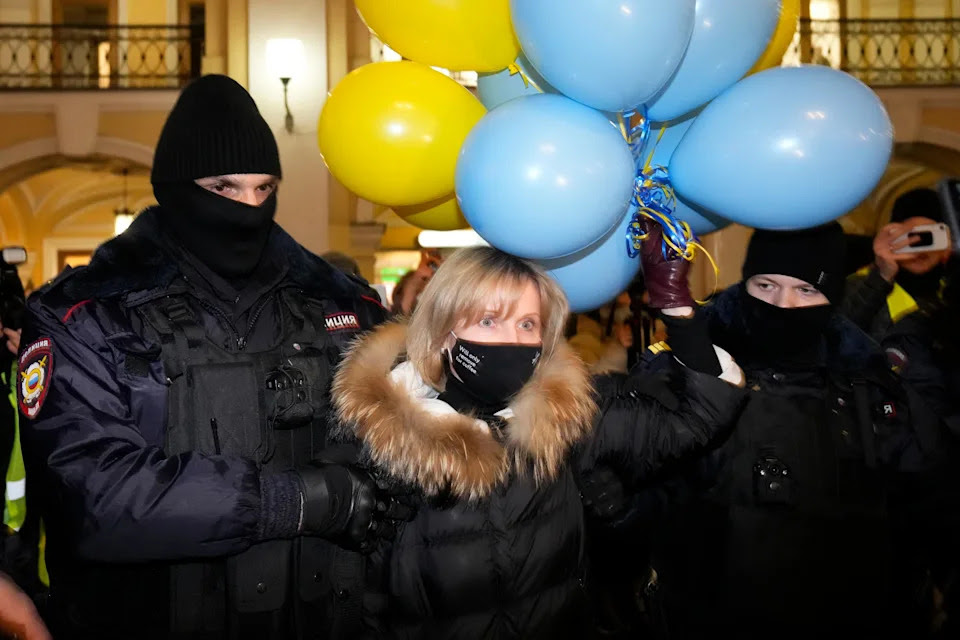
point(60, 209)
point(914, 165)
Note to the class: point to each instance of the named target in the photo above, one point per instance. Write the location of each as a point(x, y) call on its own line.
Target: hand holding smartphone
point(924, 238)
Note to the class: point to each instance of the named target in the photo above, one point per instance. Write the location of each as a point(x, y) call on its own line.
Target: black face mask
point(226, 235)
point(491, 374)
point(784, 337)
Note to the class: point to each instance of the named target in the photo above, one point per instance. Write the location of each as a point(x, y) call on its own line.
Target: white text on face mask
point(466, 359)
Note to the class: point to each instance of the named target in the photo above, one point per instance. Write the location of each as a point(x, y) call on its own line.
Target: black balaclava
point(914, 204)
point(215, 129)
point(793, 337)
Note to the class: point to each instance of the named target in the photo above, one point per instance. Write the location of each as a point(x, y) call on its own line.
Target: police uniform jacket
point(163, 409)
point(798, 519)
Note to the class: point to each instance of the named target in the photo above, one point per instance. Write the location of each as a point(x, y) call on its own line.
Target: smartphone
point(926, 237)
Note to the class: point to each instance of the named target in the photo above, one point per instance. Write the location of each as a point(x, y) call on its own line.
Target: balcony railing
point(64, 57)
point(883, 53)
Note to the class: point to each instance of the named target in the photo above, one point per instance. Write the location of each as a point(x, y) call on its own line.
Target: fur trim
point(449, 452)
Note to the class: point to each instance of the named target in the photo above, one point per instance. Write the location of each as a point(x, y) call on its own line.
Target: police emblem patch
point(342, 321)
point(35, 368)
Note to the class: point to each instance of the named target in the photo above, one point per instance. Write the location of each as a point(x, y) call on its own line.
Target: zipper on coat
point(242, 340)
point(224, 320)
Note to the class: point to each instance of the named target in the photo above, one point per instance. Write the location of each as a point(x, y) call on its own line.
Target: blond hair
point(468, 284)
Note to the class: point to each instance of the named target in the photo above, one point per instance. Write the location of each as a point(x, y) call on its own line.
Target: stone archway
point(19, 162)
point(914, 165)
point(53, 202)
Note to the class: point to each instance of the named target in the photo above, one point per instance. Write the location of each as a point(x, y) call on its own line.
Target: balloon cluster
point(601, 112)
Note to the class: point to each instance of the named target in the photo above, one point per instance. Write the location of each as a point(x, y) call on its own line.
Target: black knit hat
point(815, 255)
point(916, 203)
point(214, 129)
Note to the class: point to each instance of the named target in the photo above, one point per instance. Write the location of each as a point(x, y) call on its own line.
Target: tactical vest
point(271, 407)
point(808, 529)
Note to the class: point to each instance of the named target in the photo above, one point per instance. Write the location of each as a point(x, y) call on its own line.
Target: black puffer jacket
point(134, 497)
point(800, 519)
point(497, 549)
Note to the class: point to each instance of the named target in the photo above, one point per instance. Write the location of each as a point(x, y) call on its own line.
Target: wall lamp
point(285, 59)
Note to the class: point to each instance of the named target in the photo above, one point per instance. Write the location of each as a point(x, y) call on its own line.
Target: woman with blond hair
point(489, 417)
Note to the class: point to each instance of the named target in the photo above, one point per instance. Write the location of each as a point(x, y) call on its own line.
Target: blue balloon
point(543, 177)
point(787, 148)
point(496, 88)
point(728, 38)
point(596, 275)
point(612, 55)
point(663, 145)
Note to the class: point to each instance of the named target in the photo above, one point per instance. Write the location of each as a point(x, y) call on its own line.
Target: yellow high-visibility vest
point(899, 302)
point(15, 490)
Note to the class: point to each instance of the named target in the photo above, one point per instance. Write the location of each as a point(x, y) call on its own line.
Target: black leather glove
point(602, 494)
point(339, 503)
point(689, 338)
point(348, 505)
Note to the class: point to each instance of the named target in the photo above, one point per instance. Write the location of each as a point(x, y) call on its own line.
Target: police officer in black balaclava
point(798, 519)
point(175, 403)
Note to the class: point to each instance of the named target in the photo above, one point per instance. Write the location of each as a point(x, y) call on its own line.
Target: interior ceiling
point(84, 193)
point(92, 164)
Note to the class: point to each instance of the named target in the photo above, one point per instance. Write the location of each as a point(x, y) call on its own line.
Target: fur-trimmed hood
point(422, 441)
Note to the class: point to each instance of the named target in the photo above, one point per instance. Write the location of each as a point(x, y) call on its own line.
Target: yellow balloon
point(391, 132)
point(459, 35)
point(442, 214)
point(782, 37)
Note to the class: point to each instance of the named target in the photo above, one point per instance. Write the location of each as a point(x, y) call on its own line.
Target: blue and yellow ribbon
point(655, 199)
point(636, 134)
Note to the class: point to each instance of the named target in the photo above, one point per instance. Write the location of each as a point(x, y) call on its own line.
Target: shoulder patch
point(342, 321)
point(35, 368)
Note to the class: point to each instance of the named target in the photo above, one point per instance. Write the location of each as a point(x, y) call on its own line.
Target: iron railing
point(99, 57)
point(883, 53)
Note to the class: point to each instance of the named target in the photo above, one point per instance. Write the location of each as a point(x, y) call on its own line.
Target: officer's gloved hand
point(666, 277)
point(339, 503)
point(347, 505)
point(602, 494)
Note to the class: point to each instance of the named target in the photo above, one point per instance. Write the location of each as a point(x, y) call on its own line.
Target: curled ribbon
point(515, 69)
point(655, 199)
point(636, 134)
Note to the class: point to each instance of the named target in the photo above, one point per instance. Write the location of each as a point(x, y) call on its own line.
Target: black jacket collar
point(135, 263)
point(849, 350)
